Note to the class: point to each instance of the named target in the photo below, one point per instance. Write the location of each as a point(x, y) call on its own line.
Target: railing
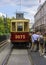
point(3, 43)
point(3, 40)
point(3, 37)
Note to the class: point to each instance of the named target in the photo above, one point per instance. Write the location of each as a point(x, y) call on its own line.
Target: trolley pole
point(20, 4)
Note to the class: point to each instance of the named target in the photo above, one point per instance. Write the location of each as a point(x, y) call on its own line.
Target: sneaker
point(31, 50)
point(42, 53)
point(44, 56)
point(39, 50)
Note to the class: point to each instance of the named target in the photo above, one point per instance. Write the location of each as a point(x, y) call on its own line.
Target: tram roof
point(22, 20)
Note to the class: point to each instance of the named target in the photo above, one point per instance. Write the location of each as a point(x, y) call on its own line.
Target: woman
point(41, 44)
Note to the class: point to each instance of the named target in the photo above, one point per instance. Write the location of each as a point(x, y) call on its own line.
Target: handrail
point(3, 43)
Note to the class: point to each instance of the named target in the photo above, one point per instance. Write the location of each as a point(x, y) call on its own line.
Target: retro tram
point(20, 30)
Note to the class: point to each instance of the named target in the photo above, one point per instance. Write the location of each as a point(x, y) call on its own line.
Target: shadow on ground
point(19, 47)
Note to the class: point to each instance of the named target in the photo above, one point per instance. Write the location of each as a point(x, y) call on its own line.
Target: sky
point(28, 7)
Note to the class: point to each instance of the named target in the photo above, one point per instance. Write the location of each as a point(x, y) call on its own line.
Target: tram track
point(3, 43)
point(7, 57)
point(30, 57)
point(17, 57)
point(11, 53)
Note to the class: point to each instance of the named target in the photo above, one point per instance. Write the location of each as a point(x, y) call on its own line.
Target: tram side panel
point(19, 37)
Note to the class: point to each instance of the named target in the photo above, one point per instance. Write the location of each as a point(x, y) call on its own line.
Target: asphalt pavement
point(37, 59)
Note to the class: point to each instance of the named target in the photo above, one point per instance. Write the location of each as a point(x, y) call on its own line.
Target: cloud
point(27, 6)
point(18, 2)
point(42, 1)
point(7, 2)
point(27, 3)
point(2, 14)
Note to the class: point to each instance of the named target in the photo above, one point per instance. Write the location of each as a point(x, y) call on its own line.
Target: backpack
point(41, 40)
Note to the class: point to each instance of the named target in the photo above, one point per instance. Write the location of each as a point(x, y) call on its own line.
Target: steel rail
point(7, 57)
point(3, 43)
point(30, 57)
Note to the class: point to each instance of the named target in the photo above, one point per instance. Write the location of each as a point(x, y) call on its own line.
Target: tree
point(8, 23)
point(2, 29)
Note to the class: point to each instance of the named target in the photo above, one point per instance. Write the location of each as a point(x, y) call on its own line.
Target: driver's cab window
point(19, 26)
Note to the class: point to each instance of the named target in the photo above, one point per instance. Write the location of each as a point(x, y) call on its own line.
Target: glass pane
point(13, 26)
point(26, 26)
point(19, 26)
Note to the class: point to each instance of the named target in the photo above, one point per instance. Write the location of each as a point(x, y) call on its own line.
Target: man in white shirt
point(34, 37)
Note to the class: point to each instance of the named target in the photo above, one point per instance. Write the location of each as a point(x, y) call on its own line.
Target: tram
point(20, 30)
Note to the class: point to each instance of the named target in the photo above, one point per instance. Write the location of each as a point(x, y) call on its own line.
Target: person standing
point(34, 38)
point(44, 43)
point(41, 44)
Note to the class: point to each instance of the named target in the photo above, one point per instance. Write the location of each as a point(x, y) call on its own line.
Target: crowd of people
point(38, 42)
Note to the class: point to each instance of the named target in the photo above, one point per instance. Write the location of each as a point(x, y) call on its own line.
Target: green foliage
point(4, 26)
point(8, 24)
point(13, 17)
point(2, 31)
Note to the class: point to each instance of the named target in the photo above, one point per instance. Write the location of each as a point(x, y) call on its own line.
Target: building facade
point(40, 18)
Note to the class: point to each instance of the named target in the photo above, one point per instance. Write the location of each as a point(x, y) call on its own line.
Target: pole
point(39, 1)
point(20, 4)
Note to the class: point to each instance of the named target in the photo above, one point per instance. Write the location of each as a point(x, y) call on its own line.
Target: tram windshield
point(19, 26)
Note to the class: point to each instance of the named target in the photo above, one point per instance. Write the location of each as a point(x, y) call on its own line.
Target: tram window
point(13, 26)
point(26, 26)
point(19, 26)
